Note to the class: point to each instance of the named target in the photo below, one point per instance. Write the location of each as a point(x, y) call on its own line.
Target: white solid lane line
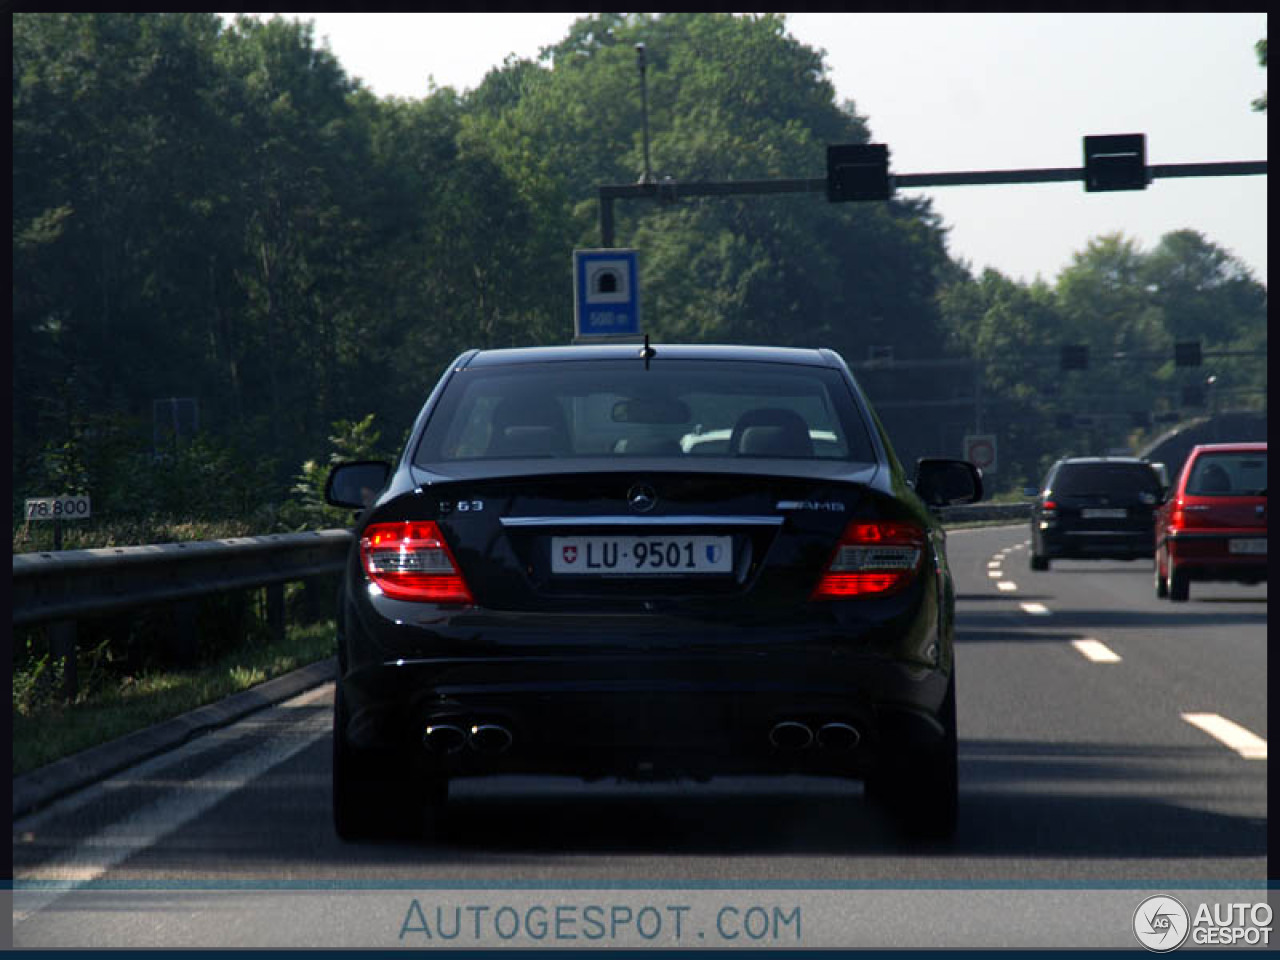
point(1035, 609)
point(1244, 742)
point(1096, 651)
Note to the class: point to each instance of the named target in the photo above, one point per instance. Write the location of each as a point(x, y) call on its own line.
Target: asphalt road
point(1095, 767)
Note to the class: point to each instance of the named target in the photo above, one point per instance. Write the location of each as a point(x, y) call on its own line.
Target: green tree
point(350, 440)
point(730, 97)
point(1202, 290)
point(111, 121)
point(1012, 330)
point(1205, 293)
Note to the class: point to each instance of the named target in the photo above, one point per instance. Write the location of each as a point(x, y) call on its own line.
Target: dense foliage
point(215, 210)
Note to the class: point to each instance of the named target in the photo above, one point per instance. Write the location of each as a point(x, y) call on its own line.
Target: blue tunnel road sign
point(606, 294)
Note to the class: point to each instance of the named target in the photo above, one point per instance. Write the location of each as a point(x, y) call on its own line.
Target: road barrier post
point(62, 649)
point(275, 612)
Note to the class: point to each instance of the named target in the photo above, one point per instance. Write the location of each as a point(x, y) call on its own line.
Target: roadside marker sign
point(606, 294)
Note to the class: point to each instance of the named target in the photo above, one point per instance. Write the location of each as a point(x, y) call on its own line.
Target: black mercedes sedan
point(658, 562)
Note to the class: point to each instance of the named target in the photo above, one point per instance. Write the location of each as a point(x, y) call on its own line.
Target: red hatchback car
point(1213, 522)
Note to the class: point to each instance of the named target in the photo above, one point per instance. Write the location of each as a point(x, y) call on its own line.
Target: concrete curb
point(39, 787)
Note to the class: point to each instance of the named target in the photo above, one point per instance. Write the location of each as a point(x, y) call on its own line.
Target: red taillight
point(1177, 516)
point(872, 558)
point(1049, 506)
point(411, 561)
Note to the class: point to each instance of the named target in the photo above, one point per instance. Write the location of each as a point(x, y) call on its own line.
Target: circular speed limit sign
point(980, 450)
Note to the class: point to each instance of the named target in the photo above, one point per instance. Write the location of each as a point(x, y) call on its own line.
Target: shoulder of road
point(38, 788)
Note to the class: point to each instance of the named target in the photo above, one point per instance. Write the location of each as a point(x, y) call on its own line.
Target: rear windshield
point(1109, 479)
point(1229, 474)
point(680, 408)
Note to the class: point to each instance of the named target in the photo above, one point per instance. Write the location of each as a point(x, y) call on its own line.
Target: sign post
point(62, 634)
point(57, 509)
point(606, 295)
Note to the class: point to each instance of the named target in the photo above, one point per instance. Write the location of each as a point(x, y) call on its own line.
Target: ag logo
point(1161, 923)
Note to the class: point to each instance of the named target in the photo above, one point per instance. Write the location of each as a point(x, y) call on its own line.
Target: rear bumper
point(645, 715)
point(1097, 544)
point(1207, 555)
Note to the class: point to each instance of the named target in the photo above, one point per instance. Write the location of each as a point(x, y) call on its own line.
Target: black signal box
point(1186, 353)
point(858, 171)
point(1115, 162)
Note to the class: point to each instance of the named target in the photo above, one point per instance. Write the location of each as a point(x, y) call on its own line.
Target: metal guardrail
point(78, 583)
point(1010, 512)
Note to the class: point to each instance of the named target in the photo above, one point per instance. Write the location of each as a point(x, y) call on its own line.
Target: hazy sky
point(957, 91)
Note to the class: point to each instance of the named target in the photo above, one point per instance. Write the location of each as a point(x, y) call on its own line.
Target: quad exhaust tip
point(790, 735)
point(443, 738)
point(794, 735)
point(838, 736)
point(490, 738)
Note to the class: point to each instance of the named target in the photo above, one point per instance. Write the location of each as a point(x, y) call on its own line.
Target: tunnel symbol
point(604, 281)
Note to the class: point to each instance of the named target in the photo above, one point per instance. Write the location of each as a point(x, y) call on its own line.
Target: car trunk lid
point(645, 539)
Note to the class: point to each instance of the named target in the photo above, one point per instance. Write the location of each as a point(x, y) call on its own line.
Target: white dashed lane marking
point(1096, 651)
point(1007, 586)
point(1035, 609)
point(1244, 742)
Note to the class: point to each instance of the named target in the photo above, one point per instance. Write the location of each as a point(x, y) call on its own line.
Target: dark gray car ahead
point(1095, 508)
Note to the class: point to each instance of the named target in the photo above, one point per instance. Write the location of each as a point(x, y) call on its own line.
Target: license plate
point(1252, 545)
point(641, 556)
point(1104, 513)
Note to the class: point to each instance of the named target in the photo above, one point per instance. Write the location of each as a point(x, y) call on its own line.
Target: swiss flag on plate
point(570, 554)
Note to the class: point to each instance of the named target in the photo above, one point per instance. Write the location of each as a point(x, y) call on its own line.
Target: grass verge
point(57, 731)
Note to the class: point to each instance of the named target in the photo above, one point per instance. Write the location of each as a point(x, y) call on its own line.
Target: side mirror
point(941, 482)
point(356, 485)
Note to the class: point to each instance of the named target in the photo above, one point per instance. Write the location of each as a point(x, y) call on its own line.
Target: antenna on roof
point(647, 352)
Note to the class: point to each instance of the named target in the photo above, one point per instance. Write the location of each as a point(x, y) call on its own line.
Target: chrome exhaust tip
point(490, 738)
point(443, 738)
point(790, 735)
point(838, 736)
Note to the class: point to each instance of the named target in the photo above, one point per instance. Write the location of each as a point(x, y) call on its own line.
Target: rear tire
point(1038, 562)
point(1179, 583)
point(920, 789)
point(375, 798)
